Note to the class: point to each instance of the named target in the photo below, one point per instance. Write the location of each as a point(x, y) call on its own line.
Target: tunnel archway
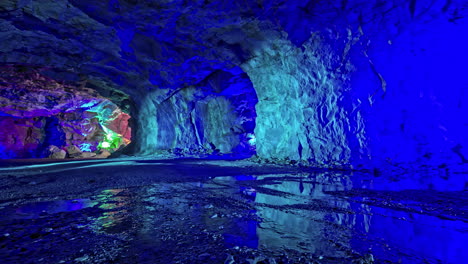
point(215, 116)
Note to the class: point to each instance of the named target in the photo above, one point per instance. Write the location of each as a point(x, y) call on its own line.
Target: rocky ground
point(199, 211)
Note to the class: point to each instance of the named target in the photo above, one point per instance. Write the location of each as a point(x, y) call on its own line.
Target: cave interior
point(208, 131)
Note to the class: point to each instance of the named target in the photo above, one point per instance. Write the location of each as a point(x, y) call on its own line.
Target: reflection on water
point(326, 215)
point(113, 202)
point(35, 210)
point(291, 217)
point(302, 212)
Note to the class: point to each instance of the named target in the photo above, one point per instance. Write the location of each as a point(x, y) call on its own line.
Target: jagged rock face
point(298, 116)
point(347, 82)
point(39, 116)
point(215, 116)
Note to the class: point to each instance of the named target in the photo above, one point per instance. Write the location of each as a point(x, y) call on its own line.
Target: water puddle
point(39, 209)
point(325, 217)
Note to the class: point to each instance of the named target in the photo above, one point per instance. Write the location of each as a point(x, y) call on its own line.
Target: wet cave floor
point(195, 211)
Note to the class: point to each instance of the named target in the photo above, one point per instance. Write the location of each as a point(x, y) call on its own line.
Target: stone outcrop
point(56, 153)
point(39, 116)
point(103, 154)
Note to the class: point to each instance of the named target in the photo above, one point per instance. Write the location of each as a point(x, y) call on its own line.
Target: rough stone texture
point(73, 151)
point(298, 117)
point(56, 153)
point(36, 112)
point(349, 82)
point(20, 137)
point(216, 115)
point(104, 154)
point(86, 155)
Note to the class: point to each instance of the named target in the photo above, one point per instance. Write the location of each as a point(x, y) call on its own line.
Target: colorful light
point(85, 147)
point(111, 140)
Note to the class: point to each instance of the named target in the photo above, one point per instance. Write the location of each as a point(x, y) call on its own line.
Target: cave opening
point(215, 117)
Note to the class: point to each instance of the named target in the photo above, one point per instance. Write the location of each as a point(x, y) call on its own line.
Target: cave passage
point(241, 131)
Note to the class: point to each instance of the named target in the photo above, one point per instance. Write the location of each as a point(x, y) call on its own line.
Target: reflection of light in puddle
point(113, 202)
point(241, 230)
point(302, 213)
point(34, 210)
point(275, 198)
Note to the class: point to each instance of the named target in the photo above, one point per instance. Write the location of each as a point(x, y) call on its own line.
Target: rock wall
point(37, 112)
point(364, 83)
point(410, 83)
point(356, 82)
point(299, 116)
point(215, 116)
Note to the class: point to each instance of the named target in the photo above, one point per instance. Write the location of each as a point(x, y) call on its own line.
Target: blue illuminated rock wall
point(215, 116)
point(364, 82)
point(413, 86)
point(354, 82)
point(299, 117)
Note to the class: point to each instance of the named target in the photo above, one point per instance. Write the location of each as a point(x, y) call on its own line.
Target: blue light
point(421, 117)
point(85, 147)
point(89, 104)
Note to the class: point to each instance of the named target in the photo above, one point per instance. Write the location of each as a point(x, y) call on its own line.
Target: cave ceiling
point(133, 46)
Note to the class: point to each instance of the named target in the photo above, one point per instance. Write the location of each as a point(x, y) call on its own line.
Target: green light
point(112, 140)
